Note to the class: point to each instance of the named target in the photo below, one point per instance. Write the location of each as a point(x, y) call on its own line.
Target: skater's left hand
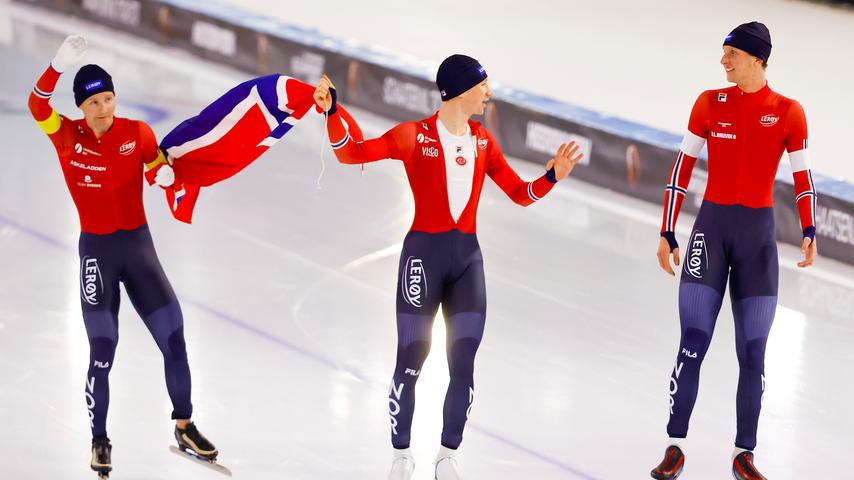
point(566, 158)
point(810, 250)
point(165, 176)
point(322, 95)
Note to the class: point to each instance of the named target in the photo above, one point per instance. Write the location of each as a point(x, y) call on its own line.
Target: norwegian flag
point(229, 134)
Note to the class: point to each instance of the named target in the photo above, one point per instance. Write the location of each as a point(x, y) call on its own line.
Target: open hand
point(70, 52)
point(565, 159)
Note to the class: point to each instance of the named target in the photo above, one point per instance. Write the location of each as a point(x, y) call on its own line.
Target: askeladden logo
point(698, 258)
point(91, 282)
point(413, 282)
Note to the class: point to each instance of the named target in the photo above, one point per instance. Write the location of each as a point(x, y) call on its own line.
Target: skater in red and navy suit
point(446, 157)
point(747, 127)
point(102, 158)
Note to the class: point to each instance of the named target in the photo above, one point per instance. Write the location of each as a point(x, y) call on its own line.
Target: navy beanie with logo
point(754, 38)
point(90, 80)
point(457, 74)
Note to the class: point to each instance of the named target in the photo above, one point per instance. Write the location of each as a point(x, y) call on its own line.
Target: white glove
point(70, 52)
point(165, 176)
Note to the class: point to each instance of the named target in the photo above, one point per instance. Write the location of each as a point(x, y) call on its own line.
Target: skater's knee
point(752, 355)
point(412, 356)
point(461, 357)
point(176, 348)
point(694, 344)
point(102, 350)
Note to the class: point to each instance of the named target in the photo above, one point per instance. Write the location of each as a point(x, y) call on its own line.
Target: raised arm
point(522, 192)
point(70, 52)
point(348, 145)
point(677, 181)
point(797, 142)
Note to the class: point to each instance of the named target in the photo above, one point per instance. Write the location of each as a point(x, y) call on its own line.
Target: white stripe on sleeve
point(692, 144)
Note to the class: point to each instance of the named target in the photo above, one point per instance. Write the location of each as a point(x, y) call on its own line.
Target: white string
point(324, 136)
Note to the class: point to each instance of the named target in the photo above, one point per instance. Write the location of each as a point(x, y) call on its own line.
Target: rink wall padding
point(623, 156)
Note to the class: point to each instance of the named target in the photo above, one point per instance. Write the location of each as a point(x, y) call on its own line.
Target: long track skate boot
point(446, 465)
point(671, 466)
point(743, 469)
point(101, 457)
point(191, 441)
point(402, 466)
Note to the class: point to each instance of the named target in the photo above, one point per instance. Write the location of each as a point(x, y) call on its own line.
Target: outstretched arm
point(522, 192)
point(70, 52)
point(345, 134)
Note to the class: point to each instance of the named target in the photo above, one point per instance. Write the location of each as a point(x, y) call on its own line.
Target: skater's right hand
point(70, 52)
point(322, 94)
point(664, 253)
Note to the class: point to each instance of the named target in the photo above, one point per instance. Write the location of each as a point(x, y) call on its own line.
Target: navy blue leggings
point(437, 268)
point(734, 243)
point(128, 257)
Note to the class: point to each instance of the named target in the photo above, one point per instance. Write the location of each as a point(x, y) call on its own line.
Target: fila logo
point(722, 97)
point(481, 143)
point(769, 120)
point(414, 282)
point(459, 150)
point(424, 139)
point(430, 151)
point(689, 353)
point(412, 372)
point(725, 136)
point(90, 280)
point(128, 147)
point(698, 258)
point(100, 364)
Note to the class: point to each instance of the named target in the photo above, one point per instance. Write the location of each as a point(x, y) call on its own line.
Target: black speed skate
point(191, 441)
point(101, 457)
point(671, 466)
point(743, 469)
point(193, 445)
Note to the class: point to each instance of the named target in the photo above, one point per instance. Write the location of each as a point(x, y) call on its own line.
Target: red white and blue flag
point(229, 134)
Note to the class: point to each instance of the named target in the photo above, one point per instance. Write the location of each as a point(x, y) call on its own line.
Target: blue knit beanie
point(457, 74)
point(90, 80)
point(754, 38)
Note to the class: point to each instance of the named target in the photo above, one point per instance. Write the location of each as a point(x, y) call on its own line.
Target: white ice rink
point(288, 298)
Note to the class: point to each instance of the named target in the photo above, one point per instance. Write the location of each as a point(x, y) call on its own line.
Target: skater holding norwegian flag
point(102, 158)
point(747, 128)
point(447, 158)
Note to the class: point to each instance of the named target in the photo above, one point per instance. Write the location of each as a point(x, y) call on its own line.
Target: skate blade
point(212, 464)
